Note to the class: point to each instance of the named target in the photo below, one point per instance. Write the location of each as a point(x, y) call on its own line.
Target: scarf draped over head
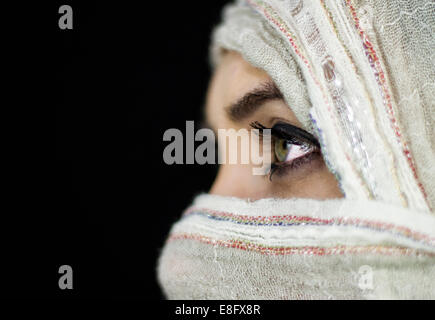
point(360, 75)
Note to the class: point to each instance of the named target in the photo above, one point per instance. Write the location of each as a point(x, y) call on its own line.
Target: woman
point(346, 209)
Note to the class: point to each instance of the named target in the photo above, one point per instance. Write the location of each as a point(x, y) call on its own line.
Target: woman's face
point(240, 95)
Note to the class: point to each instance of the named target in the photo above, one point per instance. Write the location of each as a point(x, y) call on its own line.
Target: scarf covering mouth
point(360, 75)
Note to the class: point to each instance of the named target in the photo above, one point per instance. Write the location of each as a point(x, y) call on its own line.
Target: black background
point(89, 188)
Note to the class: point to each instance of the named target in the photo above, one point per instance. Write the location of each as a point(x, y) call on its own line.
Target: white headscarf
point(360, 75)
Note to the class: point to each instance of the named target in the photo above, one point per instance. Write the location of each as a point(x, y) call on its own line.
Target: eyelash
point(294, 136)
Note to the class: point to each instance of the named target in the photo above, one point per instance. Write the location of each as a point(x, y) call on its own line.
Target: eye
point(286, 151)
point(293, 147)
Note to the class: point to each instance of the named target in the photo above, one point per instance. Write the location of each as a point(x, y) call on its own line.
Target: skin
point(233, 78)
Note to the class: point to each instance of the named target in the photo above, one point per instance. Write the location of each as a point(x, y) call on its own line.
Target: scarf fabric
point(360, 75)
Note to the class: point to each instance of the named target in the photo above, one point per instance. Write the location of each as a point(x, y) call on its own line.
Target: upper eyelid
point(298, 133)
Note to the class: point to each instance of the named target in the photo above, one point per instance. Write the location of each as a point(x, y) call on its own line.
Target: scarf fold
point(299, 249)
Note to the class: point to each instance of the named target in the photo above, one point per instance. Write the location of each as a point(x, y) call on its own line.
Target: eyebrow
point(253, 100)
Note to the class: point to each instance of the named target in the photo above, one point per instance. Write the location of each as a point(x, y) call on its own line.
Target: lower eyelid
point(283, 168)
